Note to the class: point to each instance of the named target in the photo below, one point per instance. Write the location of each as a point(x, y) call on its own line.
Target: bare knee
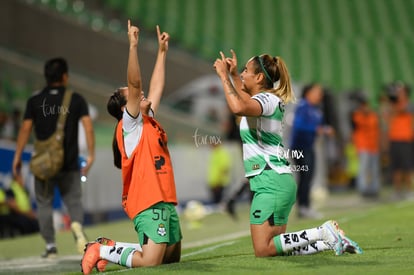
point(147, 260)
point(261, 253)
point(264, 251)
point(262, 237)
point(148, 264)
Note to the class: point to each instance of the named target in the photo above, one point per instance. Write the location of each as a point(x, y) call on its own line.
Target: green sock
point(117, 254)
point(126, 257)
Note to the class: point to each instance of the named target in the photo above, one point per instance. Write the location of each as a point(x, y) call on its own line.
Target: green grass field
point(223, 246)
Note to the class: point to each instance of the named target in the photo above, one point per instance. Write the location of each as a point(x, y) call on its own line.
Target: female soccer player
point(149, 195)
point(262, 106)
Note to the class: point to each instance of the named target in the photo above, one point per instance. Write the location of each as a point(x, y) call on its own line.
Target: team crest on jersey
point(161, 230)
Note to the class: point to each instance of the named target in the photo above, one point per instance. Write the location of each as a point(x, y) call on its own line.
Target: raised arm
point(133, 73)
point(240, 103)
point(157, 82)
point(232, 64)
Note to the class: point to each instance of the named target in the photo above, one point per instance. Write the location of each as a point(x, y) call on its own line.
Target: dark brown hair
point(114, 107)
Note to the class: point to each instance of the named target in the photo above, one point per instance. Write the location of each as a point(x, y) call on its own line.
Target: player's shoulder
point(266, 97)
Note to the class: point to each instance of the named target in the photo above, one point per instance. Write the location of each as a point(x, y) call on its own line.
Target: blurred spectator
point(218, 172)
point(384, 110)
point(5, 223)
point(11, 125)
point(16, 214)
point(365, 136)
point(401, 136)
point(307, 124)
point(352, 162)
point(23, 218)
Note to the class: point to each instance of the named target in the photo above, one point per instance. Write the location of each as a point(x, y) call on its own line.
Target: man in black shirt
point(42, 112)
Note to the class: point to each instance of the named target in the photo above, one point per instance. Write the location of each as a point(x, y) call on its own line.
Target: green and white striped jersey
point(262, 137)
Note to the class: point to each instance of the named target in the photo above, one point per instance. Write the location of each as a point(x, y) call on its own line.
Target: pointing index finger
point(233, 53)
point(158, 31)
point(222, 56)
point(129, 24)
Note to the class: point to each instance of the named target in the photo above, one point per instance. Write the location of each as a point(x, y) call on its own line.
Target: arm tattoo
point(231, 90)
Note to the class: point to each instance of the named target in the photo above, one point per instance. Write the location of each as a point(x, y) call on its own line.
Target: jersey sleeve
point(131, 123)
point(269, 103)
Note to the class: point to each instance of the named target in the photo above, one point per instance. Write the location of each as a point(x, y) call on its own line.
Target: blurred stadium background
point(345, 45)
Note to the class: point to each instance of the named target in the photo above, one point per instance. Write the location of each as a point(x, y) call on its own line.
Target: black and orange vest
point(147, 174)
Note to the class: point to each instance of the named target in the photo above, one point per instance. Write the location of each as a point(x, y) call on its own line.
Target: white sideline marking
point(222, 238)
point(207, 249)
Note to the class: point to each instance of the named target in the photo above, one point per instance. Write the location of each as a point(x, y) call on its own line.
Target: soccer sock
point(136, 246)
point(285, 243)
point(121, 255)
point(311, 248)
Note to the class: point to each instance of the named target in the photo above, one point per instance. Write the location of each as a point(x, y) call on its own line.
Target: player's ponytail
point(284, 89)
point(275, 71)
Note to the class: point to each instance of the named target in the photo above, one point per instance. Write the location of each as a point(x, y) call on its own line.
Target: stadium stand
point(343, 44)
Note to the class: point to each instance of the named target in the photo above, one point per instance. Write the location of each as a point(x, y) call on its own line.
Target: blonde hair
point(275, 70)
